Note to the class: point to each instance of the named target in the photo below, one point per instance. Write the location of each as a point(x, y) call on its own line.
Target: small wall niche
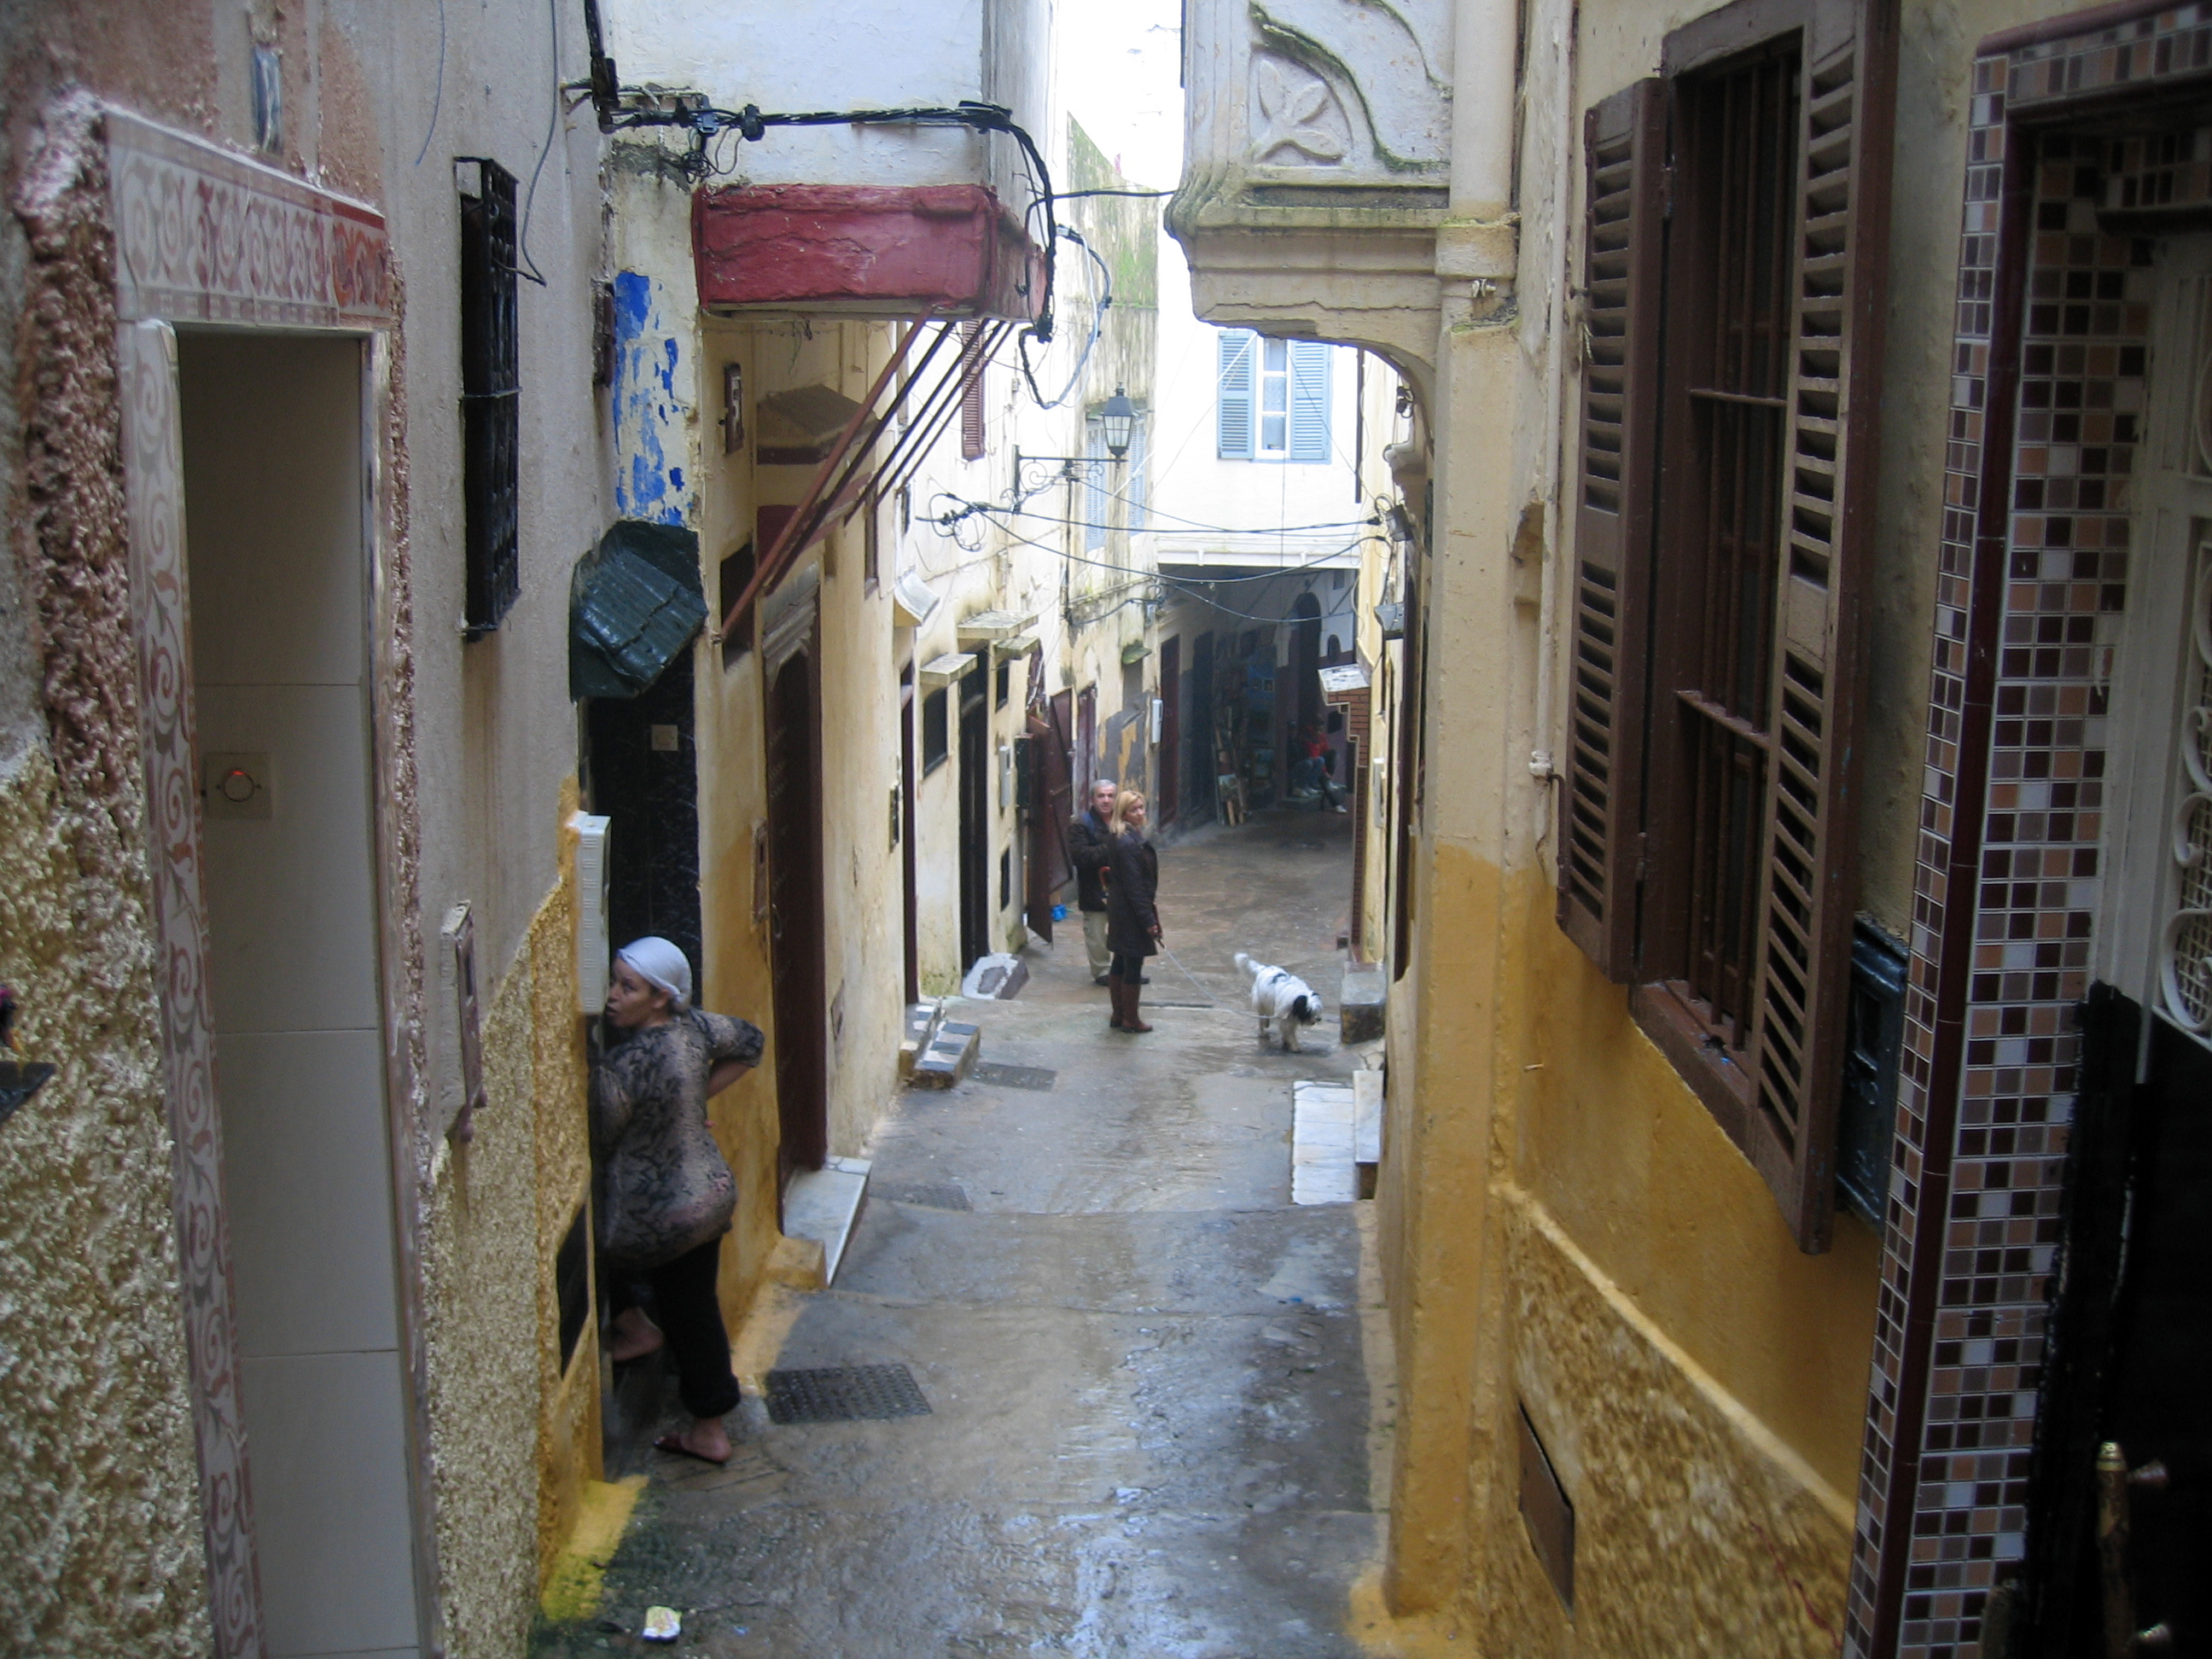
point(1547, 1513)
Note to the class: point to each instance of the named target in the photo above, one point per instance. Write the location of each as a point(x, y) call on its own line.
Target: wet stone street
point(1158, 1392)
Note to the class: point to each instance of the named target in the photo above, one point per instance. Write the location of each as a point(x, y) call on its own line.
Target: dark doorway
point(1170, 761)
point(1302, 703)
point(1050, 804)
point(1202, 770)
point(910, 920)
point(974, 817)
point(645, 778)
point(1086, 741)
point(795, 919)
point(2131, 1344)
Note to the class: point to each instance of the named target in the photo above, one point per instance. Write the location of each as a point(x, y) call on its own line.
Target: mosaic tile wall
point(1973, 1207)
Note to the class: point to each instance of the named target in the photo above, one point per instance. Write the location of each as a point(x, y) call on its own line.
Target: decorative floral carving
point(1297, 120)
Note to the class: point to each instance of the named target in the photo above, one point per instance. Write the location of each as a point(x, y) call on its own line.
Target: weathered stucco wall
point(98, 1487)
point(1697, 1532)
point(514, 1434)
point(99, 1524)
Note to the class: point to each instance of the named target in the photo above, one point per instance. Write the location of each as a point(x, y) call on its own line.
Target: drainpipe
point(1477, 247)
point(1484, 39)
point(1565, 326)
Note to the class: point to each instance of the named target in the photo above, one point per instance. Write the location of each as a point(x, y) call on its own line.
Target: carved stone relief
point(1297, 120)
point(1359, 87)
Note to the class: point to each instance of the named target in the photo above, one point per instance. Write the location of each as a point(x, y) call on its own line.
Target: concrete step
point(1322, 1168)
point(951, 1054)
point(1367, 1116)
point(922, 1022)
point(1363, 1001)
point(822, 1205)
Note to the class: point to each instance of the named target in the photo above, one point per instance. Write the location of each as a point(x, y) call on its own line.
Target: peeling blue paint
point(650, 418)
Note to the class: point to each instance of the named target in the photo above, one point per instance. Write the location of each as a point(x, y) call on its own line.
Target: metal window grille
point(1746, 133)
point(490, 396)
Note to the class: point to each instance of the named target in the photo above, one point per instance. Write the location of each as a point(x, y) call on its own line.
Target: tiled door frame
point(2007, 888)
point(205, 237)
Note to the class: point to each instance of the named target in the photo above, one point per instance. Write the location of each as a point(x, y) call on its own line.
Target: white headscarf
point(661, 963)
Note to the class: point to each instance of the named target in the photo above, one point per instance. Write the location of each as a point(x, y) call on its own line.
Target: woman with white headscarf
point(664, 1193)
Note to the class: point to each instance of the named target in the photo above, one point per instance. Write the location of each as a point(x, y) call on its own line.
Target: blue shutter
point(1310, 361)
point(1238, 365)
point(1095, 497)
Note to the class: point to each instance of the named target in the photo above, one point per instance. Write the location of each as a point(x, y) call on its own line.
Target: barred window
point(490, 394)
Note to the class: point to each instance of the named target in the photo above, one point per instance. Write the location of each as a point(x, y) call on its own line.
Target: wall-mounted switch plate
point(235, 786)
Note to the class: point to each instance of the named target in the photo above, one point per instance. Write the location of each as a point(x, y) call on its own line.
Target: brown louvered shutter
point(1599, 794)
point(971, 391)
point(1802, 977)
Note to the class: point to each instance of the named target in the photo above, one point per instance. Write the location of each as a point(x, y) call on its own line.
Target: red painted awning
point(873, 251)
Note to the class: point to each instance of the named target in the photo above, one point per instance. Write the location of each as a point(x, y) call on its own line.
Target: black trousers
point(1129, 968)
point(684, 1304)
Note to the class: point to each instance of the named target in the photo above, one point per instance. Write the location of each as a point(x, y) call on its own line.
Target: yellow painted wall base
point(761, 1336)
point(579, 1575)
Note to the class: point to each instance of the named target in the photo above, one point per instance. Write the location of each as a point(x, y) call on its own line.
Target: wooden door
point(974, 817)
point(911, 926)
point(795, 918)
point(1169, 770)
point(1086, 741)
point(1050, 806)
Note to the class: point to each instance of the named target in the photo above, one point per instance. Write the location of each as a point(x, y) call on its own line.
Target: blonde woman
point(1133, 917)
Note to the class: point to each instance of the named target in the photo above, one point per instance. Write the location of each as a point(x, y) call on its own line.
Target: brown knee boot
point(1131, 1021)
point(1114, 989)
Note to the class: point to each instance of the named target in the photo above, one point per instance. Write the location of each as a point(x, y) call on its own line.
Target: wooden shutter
point(1801, 978)
point(971, 391)
point(1310, 361)
point(1600, 786)
point(1139, 459)
point(1095, 497)
point(1233, 399)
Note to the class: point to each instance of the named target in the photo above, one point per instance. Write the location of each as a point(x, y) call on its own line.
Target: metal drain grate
point(844, 1394)
point(932, 1198)
point(1014, 1077)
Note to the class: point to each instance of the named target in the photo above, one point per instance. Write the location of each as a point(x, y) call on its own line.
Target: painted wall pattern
point(2034, 561)
point(153, 462)
point(206, 236)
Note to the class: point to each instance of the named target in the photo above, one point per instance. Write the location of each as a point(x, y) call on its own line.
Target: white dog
point(1283, 997)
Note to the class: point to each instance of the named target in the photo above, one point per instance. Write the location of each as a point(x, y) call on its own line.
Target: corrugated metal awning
point(634, 603)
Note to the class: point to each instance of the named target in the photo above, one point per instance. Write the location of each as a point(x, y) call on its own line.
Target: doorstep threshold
point(823, 1205)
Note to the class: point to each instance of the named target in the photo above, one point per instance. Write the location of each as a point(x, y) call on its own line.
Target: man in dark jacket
point(1087, 846)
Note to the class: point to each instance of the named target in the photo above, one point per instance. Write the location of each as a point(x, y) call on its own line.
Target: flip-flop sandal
point(674, 1443)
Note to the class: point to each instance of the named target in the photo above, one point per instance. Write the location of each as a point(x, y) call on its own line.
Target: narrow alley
point(1155, 1384)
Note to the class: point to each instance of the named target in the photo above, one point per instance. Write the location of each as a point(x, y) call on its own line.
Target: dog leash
point(1192, 978)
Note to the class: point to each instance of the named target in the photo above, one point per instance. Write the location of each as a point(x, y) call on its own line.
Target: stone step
point(922, 1022)
point(1367, 1116)
point(1322, 1168)
point(950, 1053)
point(1361, 1002)
point(822, 1205)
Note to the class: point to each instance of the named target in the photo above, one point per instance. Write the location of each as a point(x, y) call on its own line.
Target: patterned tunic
point(663, 1186)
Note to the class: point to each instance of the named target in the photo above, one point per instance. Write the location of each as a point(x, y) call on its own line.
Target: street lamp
point(1119, 417)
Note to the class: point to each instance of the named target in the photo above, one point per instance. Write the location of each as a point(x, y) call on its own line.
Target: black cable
point(552, 125)
point(1077, 195)
point(970, 508)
